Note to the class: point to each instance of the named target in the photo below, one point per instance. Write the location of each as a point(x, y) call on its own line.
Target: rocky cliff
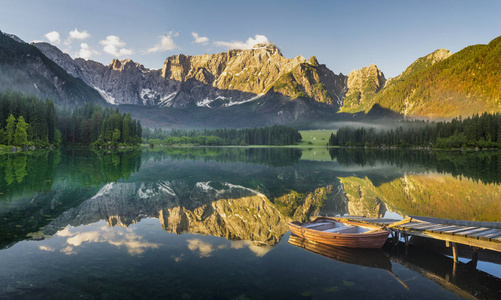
point(121, 82)
point(440, 84)
point(26, 69)
point(216, 80)
point(362, 86)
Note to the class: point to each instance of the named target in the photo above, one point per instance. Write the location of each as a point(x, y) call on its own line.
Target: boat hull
point(351, 240)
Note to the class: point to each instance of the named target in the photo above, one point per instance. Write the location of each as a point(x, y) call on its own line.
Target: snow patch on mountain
point(167, 100)
point(244, 101)
point(105, 95)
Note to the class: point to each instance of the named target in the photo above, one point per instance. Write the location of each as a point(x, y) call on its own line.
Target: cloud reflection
point(134, 243)
point(203, 248)
point(46, 248)
point(257, 250)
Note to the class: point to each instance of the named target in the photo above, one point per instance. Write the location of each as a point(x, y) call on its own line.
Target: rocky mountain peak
point(313, 61)
point(61, 59)
point(362, 85)
point(121, 65)
point(367, 76)
point(14, 37)
point(270, 48)
point(423, 63)
point(439, 55)
point(209, 80)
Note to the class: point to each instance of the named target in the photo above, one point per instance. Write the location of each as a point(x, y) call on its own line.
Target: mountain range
point(257, 86)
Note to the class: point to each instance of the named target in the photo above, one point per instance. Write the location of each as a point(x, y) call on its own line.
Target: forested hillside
point(465, 83)
point(26, 120)
point(478, 131)
point(93, 125)
point(29, 121)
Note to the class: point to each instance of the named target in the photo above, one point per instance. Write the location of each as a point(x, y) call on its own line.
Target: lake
point(211, 223)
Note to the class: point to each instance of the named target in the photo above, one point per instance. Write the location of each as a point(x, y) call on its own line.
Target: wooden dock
point(479, 235)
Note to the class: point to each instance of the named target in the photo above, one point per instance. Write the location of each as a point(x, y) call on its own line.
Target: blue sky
point(344, 35)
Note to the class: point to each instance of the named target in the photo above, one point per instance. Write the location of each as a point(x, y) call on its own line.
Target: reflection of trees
point(9, 171)
point(34, 172)
point(94, 168)
point(33, 191)
point(19, 165)
point(483, 165)
point(268, 156)
point(24, 173)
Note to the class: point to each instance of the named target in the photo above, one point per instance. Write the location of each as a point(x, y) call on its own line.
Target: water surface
point(211, 223)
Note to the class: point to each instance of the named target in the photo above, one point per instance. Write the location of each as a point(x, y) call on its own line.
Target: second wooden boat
point(341, 233)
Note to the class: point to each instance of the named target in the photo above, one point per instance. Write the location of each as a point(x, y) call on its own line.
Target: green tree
point(126, 129)
point(10, 129)
point(21, 135)
point(116, 136)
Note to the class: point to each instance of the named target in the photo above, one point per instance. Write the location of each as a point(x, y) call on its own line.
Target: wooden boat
point(341, 233)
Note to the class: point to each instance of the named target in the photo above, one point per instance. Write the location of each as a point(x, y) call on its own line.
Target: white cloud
point(200, 39)
point(166, 43)
point(114, 46)
point(78, 35)
point(85, 51)
point(53, 37)
point(258, 39)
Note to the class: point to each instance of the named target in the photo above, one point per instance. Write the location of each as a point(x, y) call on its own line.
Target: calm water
point(209, 223)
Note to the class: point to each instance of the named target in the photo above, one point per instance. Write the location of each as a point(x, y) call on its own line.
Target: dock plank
point(455, 231)
point(469, 232)
point(433, 227)
point(447, 228)
point(484, 233)
point(423, 225)
point(411, 224)
point(443, 227)
point(493, 235)
point(429, 227)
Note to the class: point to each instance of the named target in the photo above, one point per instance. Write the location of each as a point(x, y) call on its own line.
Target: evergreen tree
point(21, 136)
point(10, 128)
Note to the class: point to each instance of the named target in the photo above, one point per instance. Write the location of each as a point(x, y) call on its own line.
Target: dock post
point(474, 257)
point(455, 252)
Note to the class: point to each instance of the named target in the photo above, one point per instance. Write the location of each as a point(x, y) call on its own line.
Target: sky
point(344, 35)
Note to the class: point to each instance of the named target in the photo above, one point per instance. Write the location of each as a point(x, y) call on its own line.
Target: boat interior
point(336, 227)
